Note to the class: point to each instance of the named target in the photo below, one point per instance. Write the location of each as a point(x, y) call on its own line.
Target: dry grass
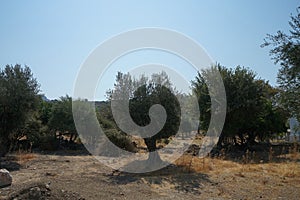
point(196, 164)
point(23, 158)
point(220, 166)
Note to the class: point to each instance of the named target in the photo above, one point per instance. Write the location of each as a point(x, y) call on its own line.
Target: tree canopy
point(250, 112)
point(62, 118)
point(142, 94)
point(18, 100)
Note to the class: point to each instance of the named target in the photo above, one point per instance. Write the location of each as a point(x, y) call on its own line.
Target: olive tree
point(18, 101)
point(142, 94)
point(251, 113)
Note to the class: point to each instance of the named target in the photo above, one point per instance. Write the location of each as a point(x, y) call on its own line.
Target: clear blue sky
point(55, 37)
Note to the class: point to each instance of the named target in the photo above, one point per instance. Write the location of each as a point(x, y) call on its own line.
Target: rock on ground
point(5, 178)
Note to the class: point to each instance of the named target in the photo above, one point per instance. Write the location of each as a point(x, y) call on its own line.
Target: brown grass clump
point(23, 158)
point(219, 166)
point(195, 164)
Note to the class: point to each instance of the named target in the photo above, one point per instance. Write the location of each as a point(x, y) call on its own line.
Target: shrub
point(120, 139)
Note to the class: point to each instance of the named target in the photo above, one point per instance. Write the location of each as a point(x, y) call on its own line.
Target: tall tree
point(285, 50)
point(18, 100)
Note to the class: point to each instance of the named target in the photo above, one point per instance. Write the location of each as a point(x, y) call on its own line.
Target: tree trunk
point(235, 142)
point(151, 144)
point(241, 136)
point(154, 157)
point(221, 140)
point(251, 139)
point(72, 138)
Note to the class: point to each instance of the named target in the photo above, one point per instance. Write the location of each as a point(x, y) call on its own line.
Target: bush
point(105, 123)
point(120, 139)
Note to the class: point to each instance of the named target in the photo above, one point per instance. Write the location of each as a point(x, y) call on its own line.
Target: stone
point(47, 186)
point(35, 193)
point(5, 178)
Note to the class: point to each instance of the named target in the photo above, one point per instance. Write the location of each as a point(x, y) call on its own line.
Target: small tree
point(62, 118)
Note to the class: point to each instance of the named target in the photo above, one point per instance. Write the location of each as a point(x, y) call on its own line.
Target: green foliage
point(33, 130)
point(120, 139)
point(62, 118)
point(86, 119)
point(123, 87)
point(158, 90)
point(144, 98)
point(285, 50)
point(105, 123)
point(45, 109)
point(104, 115)
point(201, 90)
point(18, 101)
point(61, 115)
point(250, 111)
point(142, 93)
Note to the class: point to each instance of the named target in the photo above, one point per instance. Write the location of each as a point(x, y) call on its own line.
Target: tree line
point(256, 111)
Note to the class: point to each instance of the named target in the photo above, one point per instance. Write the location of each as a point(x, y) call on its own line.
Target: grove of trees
point(256, 111)
point(253, 113)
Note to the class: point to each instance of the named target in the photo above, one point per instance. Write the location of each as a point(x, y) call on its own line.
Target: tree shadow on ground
point(260, 153)
point(172, 176)
point(10, 163)
point(74, 150)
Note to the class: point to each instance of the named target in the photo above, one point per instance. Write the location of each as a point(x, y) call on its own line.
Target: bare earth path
point(83, 177)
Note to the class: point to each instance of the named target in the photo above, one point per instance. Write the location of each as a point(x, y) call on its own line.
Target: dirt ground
point(67, 175)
